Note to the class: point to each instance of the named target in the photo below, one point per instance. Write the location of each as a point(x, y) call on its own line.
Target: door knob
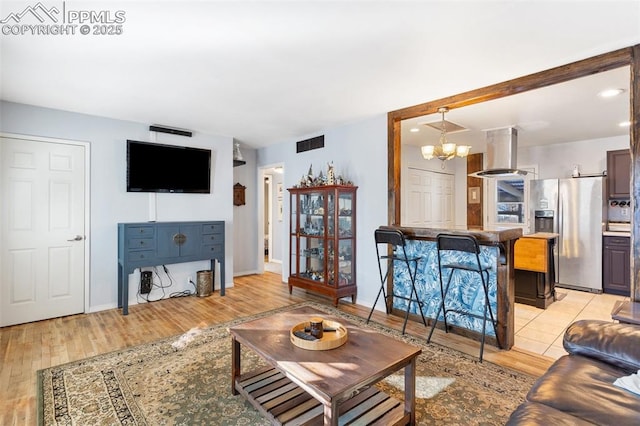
point(77, 238)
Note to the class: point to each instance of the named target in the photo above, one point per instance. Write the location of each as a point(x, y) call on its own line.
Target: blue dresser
point(146, 244)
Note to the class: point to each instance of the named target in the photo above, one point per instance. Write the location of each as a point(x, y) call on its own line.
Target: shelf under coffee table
point(302, 386)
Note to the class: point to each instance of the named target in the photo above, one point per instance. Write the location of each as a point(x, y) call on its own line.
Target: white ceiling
point(265, 72)
point(567, 112)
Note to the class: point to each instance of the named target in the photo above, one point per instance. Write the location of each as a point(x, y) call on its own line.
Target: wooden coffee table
point(315, 387)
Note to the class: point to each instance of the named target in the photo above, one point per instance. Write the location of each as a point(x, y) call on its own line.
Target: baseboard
point(133, 301)
point(242, 273)
point(105, 307)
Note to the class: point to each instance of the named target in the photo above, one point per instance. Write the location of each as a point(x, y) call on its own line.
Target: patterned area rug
point(187, 380)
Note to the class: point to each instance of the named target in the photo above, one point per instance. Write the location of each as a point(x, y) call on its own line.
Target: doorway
point(44, 253)
point(272, 231)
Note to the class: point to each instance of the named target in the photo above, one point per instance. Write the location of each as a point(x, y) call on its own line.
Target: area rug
point(187, 380)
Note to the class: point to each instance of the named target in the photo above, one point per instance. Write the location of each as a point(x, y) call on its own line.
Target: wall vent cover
point(170, 130)
point(309, 144)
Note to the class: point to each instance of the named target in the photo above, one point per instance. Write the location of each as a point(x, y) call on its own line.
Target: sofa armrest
point(614, 343)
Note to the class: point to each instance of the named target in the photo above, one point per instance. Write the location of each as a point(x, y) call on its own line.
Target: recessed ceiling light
point(414, 130)
point(610, 93)
point(624, 124)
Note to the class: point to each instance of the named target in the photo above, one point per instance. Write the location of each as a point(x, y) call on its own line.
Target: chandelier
point(446, 150)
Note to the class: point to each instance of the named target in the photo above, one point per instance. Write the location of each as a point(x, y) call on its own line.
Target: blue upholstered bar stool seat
point(392, 239)
point(464, 244)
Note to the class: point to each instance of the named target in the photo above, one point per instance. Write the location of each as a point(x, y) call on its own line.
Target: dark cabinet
point(323, 241)
point(616, 265)
point(618, 173)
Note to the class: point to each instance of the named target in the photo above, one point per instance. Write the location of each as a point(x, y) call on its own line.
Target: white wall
point(110, 203)
point(556, 161)
point(277, 228)
point(244, 234)
point(359, 153)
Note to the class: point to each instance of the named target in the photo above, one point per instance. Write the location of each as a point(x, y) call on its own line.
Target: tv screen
point(153, 167)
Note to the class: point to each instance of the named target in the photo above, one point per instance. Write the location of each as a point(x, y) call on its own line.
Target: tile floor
point(540, 330)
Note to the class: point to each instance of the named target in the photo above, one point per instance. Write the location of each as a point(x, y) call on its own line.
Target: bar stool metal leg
point(414, 293)
point(395, 240)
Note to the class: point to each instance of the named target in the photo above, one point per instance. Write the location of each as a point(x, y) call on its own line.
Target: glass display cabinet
point(322, 241)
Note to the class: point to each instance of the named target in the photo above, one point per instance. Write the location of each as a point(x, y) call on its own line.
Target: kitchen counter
point(496, 249)
point(616, 233)
point(542, 235)
point(617, 229)
point(487, 236)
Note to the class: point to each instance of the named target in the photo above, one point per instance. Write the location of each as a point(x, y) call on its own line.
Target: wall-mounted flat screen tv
point(153, 167)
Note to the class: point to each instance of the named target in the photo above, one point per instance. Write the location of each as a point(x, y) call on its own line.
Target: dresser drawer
point(213, 228)
point(140, 231)
point(211, 251)
point(212, 238)
point(134, 256)
point(140, 243)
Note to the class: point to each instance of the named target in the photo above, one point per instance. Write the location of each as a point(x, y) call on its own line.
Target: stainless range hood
point(502, 147)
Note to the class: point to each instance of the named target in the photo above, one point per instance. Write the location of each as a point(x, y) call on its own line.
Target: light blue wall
point(244, 235)
point(359, 153)
point(110, 203)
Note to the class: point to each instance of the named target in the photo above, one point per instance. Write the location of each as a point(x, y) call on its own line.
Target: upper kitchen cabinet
point(618, 173)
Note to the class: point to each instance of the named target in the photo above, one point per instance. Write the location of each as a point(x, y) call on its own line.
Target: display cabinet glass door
point(308, 236)
point(343, 261)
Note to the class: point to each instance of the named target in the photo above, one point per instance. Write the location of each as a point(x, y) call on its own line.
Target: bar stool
point(463, 244)
point(395, 240)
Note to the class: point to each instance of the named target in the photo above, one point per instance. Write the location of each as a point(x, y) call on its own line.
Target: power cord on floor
point(183, 293)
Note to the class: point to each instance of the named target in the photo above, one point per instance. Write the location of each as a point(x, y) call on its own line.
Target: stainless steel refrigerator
point(574, 209)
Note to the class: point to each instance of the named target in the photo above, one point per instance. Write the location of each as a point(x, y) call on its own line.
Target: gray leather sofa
point(578, 388)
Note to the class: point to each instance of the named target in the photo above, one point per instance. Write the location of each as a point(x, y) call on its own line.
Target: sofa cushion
point(614, 343)
point(531, 413)
point(583, 387)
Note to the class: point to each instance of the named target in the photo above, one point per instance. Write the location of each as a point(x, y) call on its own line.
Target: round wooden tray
point(329, 340)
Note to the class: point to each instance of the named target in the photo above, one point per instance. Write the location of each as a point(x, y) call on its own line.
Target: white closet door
point(42, 230)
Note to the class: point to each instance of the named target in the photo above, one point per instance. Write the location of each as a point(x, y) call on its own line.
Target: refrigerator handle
point(560, 221)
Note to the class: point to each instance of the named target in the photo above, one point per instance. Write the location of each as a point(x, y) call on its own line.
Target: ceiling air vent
point(449, 126)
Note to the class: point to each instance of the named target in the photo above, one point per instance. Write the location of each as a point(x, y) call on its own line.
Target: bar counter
point(496, 251)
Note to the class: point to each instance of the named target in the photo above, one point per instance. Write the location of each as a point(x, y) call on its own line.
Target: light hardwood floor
point(27, 348)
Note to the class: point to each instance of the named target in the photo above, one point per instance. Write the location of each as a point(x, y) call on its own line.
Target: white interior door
point(429, 199)
point(42, 253)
